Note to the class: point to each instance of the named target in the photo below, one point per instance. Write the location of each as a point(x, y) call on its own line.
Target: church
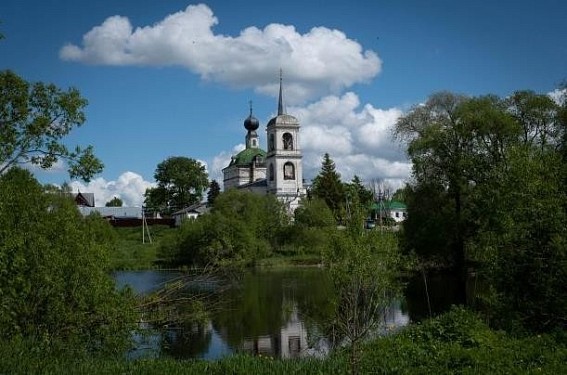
point(276, 171)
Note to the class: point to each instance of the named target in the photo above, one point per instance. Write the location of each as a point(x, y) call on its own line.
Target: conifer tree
point(214, 191)
point(328, 186)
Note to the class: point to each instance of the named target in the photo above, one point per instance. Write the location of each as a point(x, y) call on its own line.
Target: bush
point(54, 281)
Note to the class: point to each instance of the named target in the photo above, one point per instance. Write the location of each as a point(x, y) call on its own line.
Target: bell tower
point(284, 174)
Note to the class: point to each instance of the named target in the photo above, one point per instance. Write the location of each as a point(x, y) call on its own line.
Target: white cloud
point(358, 139)
point(559, 96)
point(320, 61)
point(130, 187)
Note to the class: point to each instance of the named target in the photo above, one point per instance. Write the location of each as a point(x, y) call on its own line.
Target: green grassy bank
point(134, 252)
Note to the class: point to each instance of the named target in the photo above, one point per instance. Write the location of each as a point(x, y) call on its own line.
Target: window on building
point(289, 171)
point(294, 346)
point(287, 141)
point(271, 172)
point(271, 145)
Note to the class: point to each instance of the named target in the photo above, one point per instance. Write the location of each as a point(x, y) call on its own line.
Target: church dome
point(251, 123)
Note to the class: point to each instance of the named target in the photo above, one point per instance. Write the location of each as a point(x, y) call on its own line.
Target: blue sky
point(174, 78)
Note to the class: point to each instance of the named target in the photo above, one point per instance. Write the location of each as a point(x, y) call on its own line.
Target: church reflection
point(289, 342)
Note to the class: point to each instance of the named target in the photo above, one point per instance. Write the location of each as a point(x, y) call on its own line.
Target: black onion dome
point(251, 123)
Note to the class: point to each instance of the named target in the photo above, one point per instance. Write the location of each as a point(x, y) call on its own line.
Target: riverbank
point(133, 250)
point(456, 342)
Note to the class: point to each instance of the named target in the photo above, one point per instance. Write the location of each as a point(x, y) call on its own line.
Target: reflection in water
point(277, 313)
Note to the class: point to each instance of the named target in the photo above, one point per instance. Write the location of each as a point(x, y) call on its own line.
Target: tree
point(241, 228)
point(34, 118)
point(114, 202)
point(365, 196)
point(52, 188)
point(55, 285)
point(363, 269)
point(327, 185)
point(489, 187)
point(213, 193)
point(181, 182)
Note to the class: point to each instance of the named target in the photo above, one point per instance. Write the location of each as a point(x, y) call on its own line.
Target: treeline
point(489, 194)
point(243, 227)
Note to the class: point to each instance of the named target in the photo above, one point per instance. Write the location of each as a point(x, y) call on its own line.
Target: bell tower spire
point(283, 159)
point(280, 101)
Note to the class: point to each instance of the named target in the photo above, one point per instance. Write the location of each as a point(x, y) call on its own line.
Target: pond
point(277, 313)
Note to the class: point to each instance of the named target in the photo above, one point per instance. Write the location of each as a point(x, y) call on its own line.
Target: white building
point(278, 171)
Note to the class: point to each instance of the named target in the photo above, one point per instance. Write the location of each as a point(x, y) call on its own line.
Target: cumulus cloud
point(130, 187)
point(358, 139)
point(320, 61)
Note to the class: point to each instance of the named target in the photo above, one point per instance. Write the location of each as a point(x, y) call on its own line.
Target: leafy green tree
point(523, 240)
point(364, 195)
point(438, 149)
point(314, 213)
point(114, 202)
point(181, 182)
point(241, 228)
point(52, 188)
point(327, 185)
point(489, 187)
point(55, 285)
point(363, 270)
point(311, 231)
point(452, 141)
point(400, 194)
point(213, 193)
point(34, 119)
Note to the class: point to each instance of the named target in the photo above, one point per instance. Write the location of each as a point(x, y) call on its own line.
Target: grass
point(131, 253)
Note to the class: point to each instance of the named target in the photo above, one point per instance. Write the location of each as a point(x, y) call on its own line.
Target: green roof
point(245, 157)
point(389, 205)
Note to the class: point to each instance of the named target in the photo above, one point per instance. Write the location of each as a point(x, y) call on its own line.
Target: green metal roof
point(389, 205)
point(245, 157)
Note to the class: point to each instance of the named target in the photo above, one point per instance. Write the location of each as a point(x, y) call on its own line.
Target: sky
point(174, 78)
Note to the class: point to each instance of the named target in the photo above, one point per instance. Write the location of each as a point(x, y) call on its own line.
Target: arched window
point(271, 172)
point(271, 145)
point(289, 171)
point(287, 141)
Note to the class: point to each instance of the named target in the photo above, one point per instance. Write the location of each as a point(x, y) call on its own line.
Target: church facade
point(276, 171)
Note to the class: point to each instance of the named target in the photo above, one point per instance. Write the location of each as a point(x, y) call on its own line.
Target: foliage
point(53, 188)
point(460, 343)
point(314, 213)
point(364, 196)
point(241, 228)
point(213, 193)
point(524, 241)
point(364, 267)
point(114, 202)
point(489, 187)
point(54, 284)
point(181, 182)
point(35, 118)
point(327, 186)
